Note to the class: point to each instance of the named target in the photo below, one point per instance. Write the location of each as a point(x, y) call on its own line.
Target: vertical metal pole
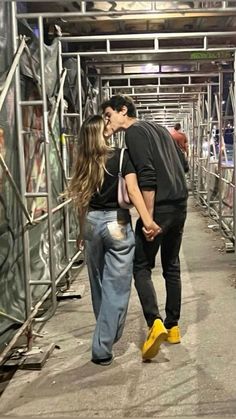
point(101, 91)
point(79, 85)
point(47, 160)
point(193, 148)
point(64, 154)
point(208, 165)
point(199, 150)
point(220, 145)
point(60, 72)
point(22, 171)
point(234, 152)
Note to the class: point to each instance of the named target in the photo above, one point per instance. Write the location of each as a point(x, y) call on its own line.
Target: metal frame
point(203, 7)
point(28, 220)
point(214, 168)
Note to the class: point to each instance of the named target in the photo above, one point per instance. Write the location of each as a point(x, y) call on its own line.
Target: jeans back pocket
point(117, 231)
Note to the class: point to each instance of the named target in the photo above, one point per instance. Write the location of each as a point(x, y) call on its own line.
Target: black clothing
point(158, 166)
point(106, 199)
point(172, 224)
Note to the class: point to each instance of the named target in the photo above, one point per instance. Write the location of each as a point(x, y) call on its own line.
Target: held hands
point(151, 231)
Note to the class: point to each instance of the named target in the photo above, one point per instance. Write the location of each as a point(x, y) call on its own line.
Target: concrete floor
point(194, 379)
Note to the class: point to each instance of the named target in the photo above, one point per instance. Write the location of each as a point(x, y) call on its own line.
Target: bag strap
point(121, 159)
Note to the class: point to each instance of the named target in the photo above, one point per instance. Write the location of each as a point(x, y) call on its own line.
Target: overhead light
point(150, 68)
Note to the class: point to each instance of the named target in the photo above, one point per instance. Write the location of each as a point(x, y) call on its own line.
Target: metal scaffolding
point(198, 105)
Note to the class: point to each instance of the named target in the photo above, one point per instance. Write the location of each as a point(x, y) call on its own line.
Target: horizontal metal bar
point(164, 111)
point(173, 101)
point(145, 103)
point(125, 64)
point(31, 102)
point(161, 75)
point(144, 51)
point(163, 117)
point(35, 194)
point(166, 94)
point(228, 167)
point(146, 36)
point(161, 104)
point(169, 112)
point(44, 216)
point(156, 12)
point(160, 86)
point(40, 282)
point(71, 114)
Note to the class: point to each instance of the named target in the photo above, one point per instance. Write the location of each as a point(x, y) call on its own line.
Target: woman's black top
point(106, 199)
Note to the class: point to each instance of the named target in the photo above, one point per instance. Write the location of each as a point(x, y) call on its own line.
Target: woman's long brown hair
point(92, 154)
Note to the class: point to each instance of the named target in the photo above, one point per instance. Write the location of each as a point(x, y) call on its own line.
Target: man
point(180, 137)
point(162, 181)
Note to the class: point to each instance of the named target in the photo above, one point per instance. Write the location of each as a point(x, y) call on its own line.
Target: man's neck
point(129, 121)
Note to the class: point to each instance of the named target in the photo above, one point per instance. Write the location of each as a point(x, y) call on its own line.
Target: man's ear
point(124, 110)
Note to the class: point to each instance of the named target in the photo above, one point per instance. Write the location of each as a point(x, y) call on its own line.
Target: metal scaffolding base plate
point(35, 360)
point(75, 291)
point(31, 360)
point(229, 247)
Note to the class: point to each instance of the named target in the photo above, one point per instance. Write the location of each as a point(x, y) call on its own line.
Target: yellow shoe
point(156, 336)
point(174, 335)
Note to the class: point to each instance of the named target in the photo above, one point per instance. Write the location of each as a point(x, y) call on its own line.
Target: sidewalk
point(194, 379)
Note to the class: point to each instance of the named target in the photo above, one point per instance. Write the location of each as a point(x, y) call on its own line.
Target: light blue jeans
point(109, 244)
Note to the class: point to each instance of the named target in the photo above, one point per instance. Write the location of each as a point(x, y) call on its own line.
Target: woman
point(107, 231)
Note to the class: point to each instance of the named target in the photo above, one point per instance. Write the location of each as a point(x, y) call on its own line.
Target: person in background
point(180, 138)
point(106, 231)
point(162, 182)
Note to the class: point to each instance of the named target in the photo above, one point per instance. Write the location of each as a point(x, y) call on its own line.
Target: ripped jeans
point(109, 245)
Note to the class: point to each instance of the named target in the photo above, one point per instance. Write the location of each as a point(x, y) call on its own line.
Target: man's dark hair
point(118, 101)
point(177, 126)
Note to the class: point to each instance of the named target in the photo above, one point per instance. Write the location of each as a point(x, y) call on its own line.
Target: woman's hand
point(151, 231)
point(80, 242)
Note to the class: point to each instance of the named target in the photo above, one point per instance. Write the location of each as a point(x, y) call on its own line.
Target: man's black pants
point(172, 223)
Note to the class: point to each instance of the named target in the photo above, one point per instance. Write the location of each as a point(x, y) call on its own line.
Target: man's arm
point(141, 154)
point(151, 229)
point(149, 199)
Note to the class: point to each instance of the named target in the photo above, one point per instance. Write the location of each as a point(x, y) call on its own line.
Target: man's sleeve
point(127, 166)
point(140, 151)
